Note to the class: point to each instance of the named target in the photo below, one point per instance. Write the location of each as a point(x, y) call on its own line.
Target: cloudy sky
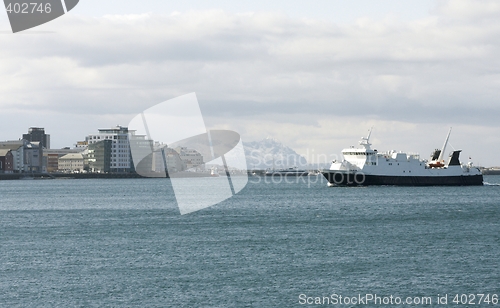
point(315, 75)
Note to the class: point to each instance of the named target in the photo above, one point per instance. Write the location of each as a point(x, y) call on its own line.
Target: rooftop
point(12, 145)
point(72, 156)
point(4, 152)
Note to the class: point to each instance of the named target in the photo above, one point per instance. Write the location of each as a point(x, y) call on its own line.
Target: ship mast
point(369, 134)
point(444, 146)
point(366, 141)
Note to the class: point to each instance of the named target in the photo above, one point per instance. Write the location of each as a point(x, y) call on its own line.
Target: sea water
point(122, 242)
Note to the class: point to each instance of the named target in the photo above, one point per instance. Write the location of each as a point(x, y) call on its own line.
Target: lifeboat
point(436, 164)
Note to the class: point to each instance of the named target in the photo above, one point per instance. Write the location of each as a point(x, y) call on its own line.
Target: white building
point(191, 157)
point(163, 154)
point(51, 157)
point(120, 151)
point(72, 162)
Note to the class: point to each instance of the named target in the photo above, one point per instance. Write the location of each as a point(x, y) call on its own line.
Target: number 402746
point(28, 8)
point(475, 299)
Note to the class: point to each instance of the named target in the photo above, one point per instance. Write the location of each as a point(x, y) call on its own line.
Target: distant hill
point(263, 154)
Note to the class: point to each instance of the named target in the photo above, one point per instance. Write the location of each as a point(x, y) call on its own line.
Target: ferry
point(363, 166)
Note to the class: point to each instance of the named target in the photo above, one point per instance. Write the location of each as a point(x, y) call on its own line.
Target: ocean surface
point(123, 243)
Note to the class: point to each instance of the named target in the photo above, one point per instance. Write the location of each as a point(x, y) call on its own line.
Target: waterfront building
point(121, 158)
point(98, 158)
point(152, 157)
point(17, 149)
point(51, 157)
point(71, 162)
point(142, 161)
point(37, 134)
point(27, 156)
point(191, 157)
point(51, 161)
point(162, 154)
point(6, 161)
point(33, 154)
point(120, 147)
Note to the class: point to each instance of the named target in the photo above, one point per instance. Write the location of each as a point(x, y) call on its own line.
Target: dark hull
point(360, 179)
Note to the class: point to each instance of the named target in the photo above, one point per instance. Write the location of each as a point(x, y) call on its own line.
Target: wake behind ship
point(364, 166)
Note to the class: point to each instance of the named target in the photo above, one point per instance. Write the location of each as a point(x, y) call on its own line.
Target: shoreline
point(52, 176)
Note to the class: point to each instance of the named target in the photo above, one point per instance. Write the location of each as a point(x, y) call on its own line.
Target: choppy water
point(122, 242)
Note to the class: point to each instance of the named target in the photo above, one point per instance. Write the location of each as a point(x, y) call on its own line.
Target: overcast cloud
point(309, 83)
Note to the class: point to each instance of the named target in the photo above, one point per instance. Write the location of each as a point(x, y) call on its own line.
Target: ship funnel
point(454, 158)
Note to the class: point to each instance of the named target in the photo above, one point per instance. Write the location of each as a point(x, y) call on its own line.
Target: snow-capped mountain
point(269, 152)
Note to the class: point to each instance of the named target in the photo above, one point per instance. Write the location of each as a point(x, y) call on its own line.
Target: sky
point(316, 75)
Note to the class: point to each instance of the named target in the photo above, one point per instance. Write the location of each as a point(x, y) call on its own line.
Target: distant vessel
point(364, 166)
point(214, 172)
point(287, 172)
